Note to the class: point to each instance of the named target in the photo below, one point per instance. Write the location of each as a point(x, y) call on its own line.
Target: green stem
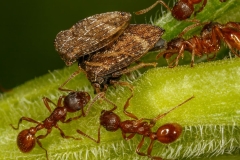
point(210, 121)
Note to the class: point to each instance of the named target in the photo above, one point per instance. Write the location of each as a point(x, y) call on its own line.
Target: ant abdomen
point(169, 132)
point(26, 140)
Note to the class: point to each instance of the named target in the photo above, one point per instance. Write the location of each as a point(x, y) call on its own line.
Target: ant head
point(182, 10)
point(75, 101)
point(26, 140)
point(175, 43)
point(207, 30)
point(173, 46)
point(109, 120)
point(169, 132)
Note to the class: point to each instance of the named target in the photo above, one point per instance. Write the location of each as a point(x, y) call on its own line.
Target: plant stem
point(210, 121)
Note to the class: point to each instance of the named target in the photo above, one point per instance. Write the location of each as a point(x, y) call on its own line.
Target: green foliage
point(210, 121)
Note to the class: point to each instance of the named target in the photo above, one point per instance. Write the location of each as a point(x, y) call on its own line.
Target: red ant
point(73, 102)
point(208, 42)
point(166, 133)
point(182, 10)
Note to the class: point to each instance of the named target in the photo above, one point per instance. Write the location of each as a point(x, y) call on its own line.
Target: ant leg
point(139, 147)
point(42, 137)
point(98, 96)
point(125, 109)
point(201, 8)
point(71, 77)
point(192, 59)
point(63, 134)
point(181, 54)
point(174, 62)
point(149, 151)
point(234, 25)
point(188, 28)
point(130, 136)
point(25, 119)
point(154, 120)
point(173, 51)
point(121, 83)
point(212, 58)
point(225, 39)
point(136, 67)
point(73, 118)
point(152, 6)
point(46, 102)
point(84, 134)
point(110, 102)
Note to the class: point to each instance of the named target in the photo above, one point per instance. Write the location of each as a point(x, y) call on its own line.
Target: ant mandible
point(208, 42)
point(73, 102)
point(166, 133)
point(182, 10)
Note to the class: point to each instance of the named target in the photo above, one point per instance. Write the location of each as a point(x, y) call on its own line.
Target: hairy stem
point(210, 121)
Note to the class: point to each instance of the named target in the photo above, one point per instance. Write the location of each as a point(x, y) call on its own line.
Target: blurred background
point(28, 29)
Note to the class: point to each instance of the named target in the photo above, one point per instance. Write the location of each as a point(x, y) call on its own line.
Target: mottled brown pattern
point(90, 35)
point(135, 42)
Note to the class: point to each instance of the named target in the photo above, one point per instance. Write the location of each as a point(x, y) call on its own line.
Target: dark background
point(28, 29)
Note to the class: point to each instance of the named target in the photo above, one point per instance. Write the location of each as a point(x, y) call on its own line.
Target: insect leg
point(46, 102)
point(40, 144)
point(201, 8)
point(71, 77)
point(84, 134)
point(121, 83)
point(149, 151)
point(140, 146)
point(152, 6)
point(26, 119)
point(71, 119)
point(136, 67)
point(125, 109)
point(63, 134)
point(130, 136)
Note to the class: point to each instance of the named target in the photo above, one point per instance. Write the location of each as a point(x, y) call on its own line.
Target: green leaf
point(210, 121)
